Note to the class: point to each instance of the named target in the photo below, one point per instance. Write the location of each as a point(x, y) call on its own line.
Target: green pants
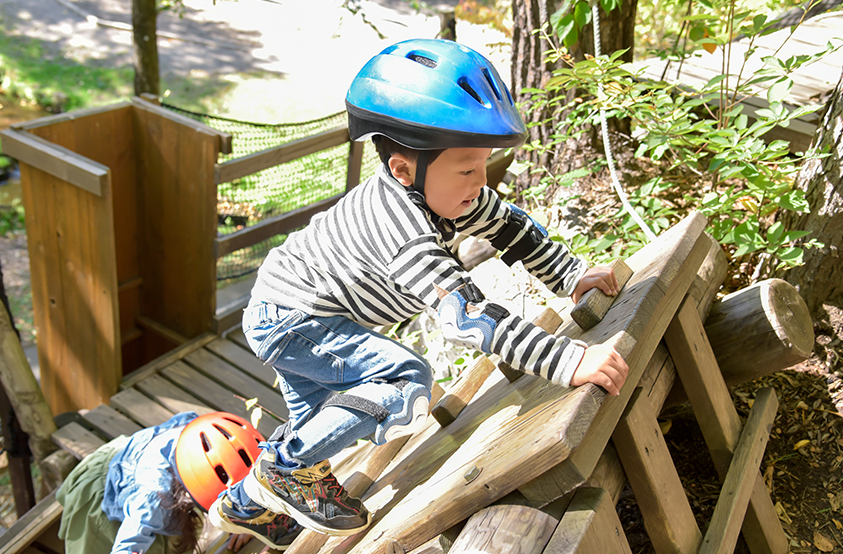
point(85, 529)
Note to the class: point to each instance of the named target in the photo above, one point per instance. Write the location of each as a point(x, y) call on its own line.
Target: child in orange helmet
point(134, 492)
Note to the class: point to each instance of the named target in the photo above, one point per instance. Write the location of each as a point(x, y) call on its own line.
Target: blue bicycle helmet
point(430, 94)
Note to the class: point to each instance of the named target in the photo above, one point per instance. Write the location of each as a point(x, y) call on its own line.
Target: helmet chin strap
point(421, 171)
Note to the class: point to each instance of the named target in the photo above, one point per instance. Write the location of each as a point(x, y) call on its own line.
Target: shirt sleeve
point(429, 271)
point(548, 261)
point(142, 521)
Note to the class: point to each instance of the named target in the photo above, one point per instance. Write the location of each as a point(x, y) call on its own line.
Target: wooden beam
point(56, 160)
point(589, 525)
point(658, 490)
point(722, 534)
point(158, 364)
point(293, 150)
point(720, 423)
point(270, 227)
point(594, 304)
point(224, 144)
point(29, 527)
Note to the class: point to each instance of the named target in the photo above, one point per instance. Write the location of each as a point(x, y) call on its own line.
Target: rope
point(595, 15)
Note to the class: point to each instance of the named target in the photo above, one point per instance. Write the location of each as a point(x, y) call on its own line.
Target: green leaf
point(795, 201)
point(779, 90)
point(582, 14)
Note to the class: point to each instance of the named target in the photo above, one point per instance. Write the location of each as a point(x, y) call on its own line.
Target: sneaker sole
point(257, 492)
point(222, 524)
point(417, 418)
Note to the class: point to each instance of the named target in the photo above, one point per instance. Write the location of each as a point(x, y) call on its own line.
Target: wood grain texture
point(594, 304)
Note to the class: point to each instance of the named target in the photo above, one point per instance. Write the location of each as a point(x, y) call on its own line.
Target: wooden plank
point(270, 227)
point(172, 397)
point(161, 330)
point(70, 116)
point(224, 139)
point(459, 394)
point(140, 407)
point(594, 304)
point(77, 440)
point(589, 525)
point(110, 422)
point(178, 205)
point(31, 525)
point(293, 150)
point(512, 432)
point(239, 383)
point(661, 275)
point(55, 160)
point(73, 232)
point(237, 336)
point(243, 359)
point(355, 164)
point(719, 422)
point(214, 394)
point(158, 364)
point(658, 491)
point(722, 534)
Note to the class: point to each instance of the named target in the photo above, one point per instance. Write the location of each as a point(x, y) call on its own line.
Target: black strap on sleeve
point(516, 223)
point(496, 312)
point(524, 247)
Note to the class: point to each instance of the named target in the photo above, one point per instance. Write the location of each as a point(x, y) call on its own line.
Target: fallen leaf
point(800, 444)
point(780, 511)
point(822, 542)
point(837, 524)
point(665, 425)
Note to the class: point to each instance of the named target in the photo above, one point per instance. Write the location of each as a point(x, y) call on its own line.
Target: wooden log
point(763, 325)
point(24, 392)
point(506, 529)
point(594, 304)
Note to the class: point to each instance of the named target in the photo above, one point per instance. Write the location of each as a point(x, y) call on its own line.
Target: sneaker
point(311, 495)
point(277, 531)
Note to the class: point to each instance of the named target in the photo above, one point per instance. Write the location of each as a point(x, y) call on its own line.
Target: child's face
point(454, 180)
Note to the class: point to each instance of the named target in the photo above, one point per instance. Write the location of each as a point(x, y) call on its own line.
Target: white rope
point(595, 16)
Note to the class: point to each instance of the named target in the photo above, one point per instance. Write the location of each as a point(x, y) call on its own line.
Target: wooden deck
point(812, 83)
point(207, 374)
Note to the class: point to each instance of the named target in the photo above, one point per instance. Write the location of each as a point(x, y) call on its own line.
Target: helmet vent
point(492, 84)
point(424, 60)
point(245, 457)
point(463, 82)
point(206, 444)
point(223, 432)
point(222, 474)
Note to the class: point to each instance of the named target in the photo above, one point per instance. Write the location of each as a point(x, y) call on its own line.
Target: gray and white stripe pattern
point(375, 257)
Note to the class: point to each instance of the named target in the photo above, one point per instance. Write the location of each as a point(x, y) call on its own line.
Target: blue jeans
point(316, 358)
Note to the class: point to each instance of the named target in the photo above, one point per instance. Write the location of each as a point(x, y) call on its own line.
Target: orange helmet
point(215, 451)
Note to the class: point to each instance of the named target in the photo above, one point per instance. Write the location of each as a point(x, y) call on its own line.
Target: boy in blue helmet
point(435, 109)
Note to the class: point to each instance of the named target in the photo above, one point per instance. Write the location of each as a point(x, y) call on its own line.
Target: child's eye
point(469, 172)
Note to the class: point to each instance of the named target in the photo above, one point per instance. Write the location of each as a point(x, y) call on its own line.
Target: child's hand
point(603, 278)
point(602, 366)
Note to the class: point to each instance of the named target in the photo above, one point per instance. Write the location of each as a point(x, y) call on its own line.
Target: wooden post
point(719, 422)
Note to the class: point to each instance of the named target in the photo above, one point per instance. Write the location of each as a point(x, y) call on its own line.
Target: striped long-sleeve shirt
point(377, 258)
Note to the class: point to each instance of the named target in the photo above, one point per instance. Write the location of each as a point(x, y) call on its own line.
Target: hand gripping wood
point(594, 304)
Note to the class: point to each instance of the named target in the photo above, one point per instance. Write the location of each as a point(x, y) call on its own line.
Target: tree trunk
point(529, 70)
point(145, 57)
point(820, 279)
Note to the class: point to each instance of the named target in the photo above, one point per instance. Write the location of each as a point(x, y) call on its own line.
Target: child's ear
point(403, 169)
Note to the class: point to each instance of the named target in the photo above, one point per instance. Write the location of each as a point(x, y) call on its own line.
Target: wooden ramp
point(520, 456)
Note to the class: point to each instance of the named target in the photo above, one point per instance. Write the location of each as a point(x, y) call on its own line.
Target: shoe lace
point(332, 484)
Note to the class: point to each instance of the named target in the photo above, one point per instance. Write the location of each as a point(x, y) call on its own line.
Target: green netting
point(277, 190)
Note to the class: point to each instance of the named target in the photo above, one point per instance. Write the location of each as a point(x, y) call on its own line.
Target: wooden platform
point(207, 374)
point(812, 83)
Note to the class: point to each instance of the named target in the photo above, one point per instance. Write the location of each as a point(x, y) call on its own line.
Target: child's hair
point(386, 147)
point(185, 520)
